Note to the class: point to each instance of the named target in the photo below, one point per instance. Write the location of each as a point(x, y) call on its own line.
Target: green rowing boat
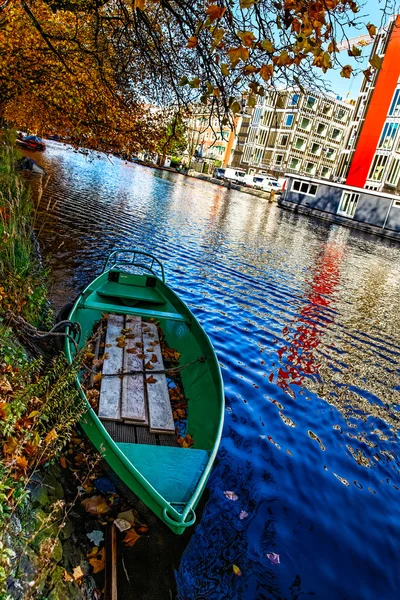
point(157, 425)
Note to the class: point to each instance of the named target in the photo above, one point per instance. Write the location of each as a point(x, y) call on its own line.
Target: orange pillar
point(377, 111)
point(231, 140)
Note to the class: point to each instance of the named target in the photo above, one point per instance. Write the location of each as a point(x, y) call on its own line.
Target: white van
point(236, 175)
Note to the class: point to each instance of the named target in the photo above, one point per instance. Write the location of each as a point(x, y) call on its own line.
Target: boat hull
point(156, 479)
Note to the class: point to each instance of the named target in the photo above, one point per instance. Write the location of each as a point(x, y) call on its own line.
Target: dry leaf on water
point(236, 570)
point(131, 538)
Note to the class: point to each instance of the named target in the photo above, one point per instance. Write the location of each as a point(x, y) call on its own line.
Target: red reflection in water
point(312, 321)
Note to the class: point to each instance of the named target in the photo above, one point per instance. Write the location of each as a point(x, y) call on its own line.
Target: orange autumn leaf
point(51, 436)
point(154, 358)
point(215, 12)
point(191, 43)
point(96, 505)
point(21, 463)
point(3, 411)
point(267, 71)
point(247, 37)
point(151, 379)
point(148, 366)
point(131, 538)
point(236, 570)
point(63, 462)
point(236, 54)
point(98, 377)
point(131, 350)
point(98, 562)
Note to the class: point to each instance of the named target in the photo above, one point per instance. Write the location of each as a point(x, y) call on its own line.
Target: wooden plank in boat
point(133, 401)
point(160, 410)
point(110, 390)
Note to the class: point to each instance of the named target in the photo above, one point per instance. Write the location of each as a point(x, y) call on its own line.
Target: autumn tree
point(93, 68)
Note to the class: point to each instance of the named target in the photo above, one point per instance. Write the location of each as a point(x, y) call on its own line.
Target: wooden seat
point(141, 399)
point(128, 292)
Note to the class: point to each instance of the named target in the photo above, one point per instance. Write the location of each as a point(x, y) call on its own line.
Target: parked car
point(236, 175)
point(269, 185)
point(219, 173)
point(31, 142)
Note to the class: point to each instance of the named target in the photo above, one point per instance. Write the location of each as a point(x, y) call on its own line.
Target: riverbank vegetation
point(111, 75)
point(39, 404)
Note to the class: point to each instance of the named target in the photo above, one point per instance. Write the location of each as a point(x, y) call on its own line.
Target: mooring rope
point(28, 330)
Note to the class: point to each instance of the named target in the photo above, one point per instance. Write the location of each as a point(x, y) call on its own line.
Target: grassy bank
point(39, 405)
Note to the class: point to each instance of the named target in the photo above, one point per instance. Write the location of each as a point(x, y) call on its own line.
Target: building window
point(388, 135)
point(341, 114)
point(327, 109)
point(289, 120)
point(299, 143)
point(322, 129)
point(330, 153)
point(393, 176)
point(311, 168)
point(305, 124)
point(246, 153)
point(326, 172)
point(252, 135)
point(378, 167)
point(294, 164)
point(257, 155)
point(348, 204)
point(263, 137)
point(279, 159)
point(311, 102)
point(294, 100)
point(257, 116)
point(283, 140)
point(309, 189)
point(316, 149)
point(336, 134)
point(394, 110)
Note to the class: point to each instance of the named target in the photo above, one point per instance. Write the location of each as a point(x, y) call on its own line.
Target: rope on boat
point(172, 370)
point(30, 332)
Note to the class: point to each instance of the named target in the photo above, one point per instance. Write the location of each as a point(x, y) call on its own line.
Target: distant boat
point(31, 142)
point(134, 424)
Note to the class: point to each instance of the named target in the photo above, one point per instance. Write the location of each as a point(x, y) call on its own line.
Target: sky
point(373, 14)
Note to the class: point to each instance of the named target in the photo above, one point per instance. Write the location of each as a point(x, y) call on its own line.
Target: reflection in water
point(304, 317)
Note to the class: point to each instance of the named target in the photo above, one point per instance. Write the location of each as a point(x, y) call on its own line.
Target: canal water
point(305, 318)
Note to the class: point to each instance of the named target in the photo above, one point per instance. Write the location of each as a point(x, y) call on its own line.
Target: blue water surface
point(305, 318)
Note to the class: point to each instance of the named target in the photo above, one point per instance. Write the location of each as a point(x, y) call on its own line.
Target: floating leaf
point(274, 558)
point(243, 515)
point(236, 570)
point(131, 538)
point(231, 496)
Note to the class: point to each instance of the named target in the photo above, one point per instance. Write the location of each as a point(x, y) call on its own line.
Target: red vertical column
point(377, 111)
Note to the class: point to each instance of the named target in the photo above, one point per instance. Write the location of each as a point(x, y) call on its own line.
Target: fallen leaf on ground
point(122, 524)
point(131, 538)
point(231, 496)
point(98, 562)
point(128, 515)
point(96, 536)
point(21, 463)
point(274, 558)
point(98, 377)
point(236, 570)
point(77, 573)
point(96, 505)
point(67, 576)
point(63, 462)
point(51, 436)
